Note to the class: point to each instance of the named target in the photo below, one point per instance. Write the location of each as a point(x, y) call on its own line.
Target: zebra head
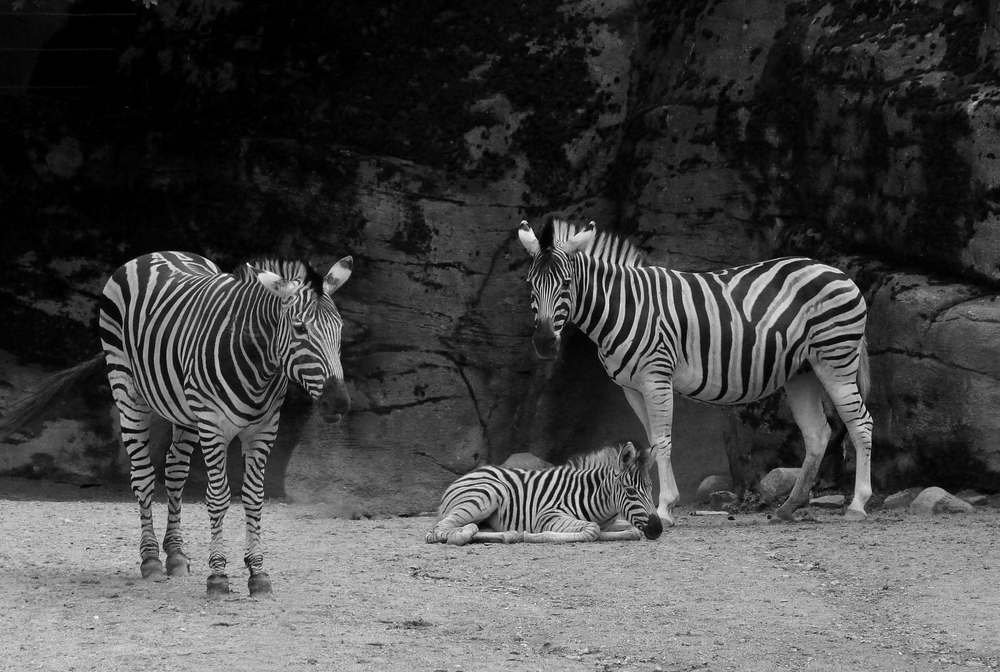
point(553, 285)
point(309, 329)
point(633, 490)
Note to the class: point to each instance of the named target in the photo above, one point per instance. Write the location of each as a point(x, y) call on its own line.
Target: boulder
point(901, 499)
point(973, 497)
point(525, 461)
point(828, 501)
point(711, 484)
point(777, 484)
point(937, 500)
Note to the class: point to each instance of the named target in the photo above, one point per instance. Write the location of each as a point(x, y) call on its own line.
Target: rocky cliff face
point(717, 133)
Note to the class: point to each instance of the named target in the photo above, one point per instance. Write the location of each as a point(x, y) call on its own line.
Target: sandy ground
point(895, 593)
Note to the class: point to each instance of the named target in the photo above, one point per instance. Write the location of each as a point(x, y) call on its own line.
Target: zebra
point(212, 353)
point(602, 496)
point(723, 337)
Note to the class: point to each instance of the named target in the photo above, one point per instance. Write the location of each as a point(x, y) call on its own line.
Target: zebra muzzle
point(653, 528)
point(335, 401)
point(546, 342)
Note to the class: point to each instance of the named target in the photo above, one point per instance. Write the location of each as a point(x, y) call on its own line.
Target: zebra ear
point(628, 454)
point(338, 275)
point(580, 241)
point(528, 239)
point(276, 284)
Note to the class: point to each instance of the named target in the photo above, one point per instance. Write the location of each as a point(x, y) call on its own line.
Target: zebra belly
point(728, 389)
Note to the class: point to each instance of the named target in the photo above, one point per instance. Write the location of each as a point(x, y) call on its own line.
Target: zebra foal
point(725, 337)
point(583, 500)
point(212, 353)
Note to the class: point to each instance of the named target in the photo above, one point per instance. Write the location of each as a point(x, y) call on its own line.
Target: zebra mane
point(609, 455)
point(605, 246)
point(289, 269)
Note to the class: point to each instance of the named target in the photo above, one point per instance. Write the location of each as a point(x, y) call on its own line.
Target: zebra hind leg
point(805, 397)
point(135, 416)
point(178, 466)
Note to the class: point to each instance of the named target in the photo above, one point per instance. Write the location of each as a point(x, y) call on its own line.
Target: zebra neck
point(600, 505)
point(601, 289)
point(259, 335)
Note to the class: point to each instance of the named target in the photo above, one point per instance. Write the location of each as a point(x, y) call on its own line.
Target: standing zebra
point(581, 501)
point(213, 353)
point(725, 337)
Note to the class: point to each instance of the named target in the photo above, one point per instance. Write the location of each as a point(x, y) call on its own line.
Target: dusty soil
point(895, 593)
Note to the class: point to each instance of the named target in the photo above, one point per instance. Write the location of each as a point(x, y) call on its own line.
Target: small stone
point(938, 500)
point(713, 483)
point(828, 501)
point(525, 461)
point(777, 484)
point(901, 499)
point(973, 497)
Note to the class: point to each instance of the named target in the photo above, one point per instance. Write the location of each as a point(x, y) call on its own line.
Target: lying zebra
point(584, 500)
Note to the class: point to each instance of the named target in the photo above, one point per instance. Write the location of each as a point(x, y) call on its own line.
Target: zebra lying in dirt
point(601, 496)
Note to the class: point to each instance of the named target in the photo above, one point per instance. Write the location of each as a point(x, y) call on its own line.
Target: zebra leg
point(253, 504)
point(851, 407)
point(655, 409)
point(454, 529)
point(805, 397)
point(619, 529)
point(135, 415)
point(463, 511)
point(178, 466)
point(217, 498)
point(563, 530)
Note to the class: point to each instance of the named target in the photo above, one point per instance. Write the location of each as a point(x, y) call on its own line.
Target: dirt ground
point(894, 593)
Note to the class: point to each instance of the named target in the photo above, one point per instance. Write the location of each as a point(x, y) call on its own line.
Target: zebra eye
point(565, 283)
point(299, 329)
point(631, 492)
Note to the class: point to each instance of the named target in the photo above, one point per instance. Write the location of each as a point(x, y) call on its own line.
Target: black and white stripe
point(585, 500)
point(723, 337)
point(212, 353)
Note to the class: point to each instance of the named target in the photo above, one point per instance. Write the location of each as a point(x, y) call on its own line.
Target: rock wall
point(417, 138)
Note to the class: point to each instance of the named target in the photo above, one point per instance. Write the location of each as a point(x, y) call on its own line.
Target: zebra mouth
point(333, 418)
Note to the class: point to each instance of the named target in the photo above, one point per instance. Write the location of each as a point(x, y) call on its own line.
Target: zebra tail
point(46, 393)
point(864, 372)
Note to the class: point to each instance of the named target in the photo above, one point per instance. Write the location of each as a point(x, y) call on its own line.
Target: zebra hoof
point(218, 585)
point(259, 584)
point(152, 570)
point(178, 565)
point(855, 516)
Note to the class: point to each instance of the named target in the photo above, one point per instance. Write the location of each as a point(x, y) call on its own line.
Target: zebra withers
point(212, 353)
point(725, 337)
point(584, 500)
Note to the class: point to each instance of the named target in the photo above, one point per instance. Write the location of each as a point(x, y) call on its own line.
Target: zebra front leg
point(253, 504)
point(654, 406)
point(176, 474)
point(563, 529)
point(217, 498)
